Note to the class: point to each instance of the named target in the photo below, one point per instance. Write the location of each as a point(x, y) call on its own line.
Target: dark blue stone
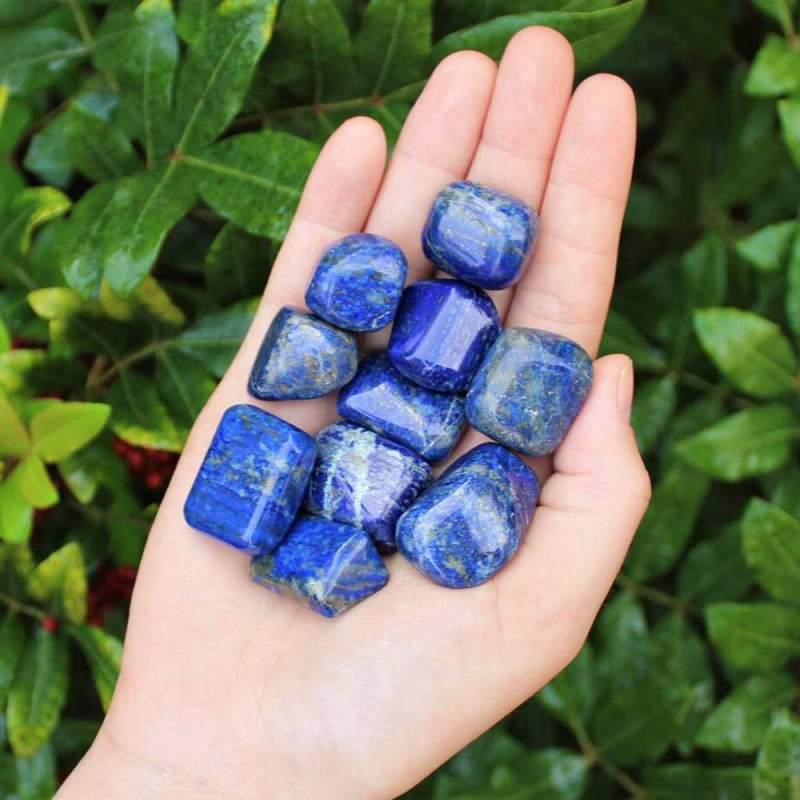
point(471, 521)
point(323, 565)
point(252, 480)
point(529, 389)
point(480, 235)
point(302, 356)
point(364, 480)
point(358, 281)
point(385, 401)
point(442, 331)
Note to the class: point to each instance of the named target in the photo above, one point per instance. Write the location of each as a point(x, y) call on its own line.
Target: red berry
point(50, 624)
point(153, 480)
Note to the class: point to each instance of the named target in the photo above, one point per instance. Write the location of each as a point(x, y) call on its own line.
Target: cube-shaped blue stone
point(385, 401)
point(364, 480)
point(252, 480)
point(326, 566)
point(442, 331)
point(466, 527)
point(480, 235)
point(529, 389)
point(358, 281)
point(302, 356)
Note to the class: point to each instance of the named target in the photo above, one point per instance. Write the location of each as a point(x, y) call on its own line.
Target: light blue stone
point(466, 527)
point(382, 399)
point(529, 389)
point(358, 281)
point(325, 566)
point(480, 235)
point(364, 480)
point(302, 356)
point(252, 480)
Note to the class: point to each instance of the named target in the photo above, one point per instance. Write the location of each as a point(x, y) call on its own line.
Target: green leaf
point(768, 248)
point(771, 541)
point(592, 33)
point(623, 645)
point(778, 764)
point(32, 58)
point(15, 11)
point(758, 636)
point(753, 442)
point(740, 722)
point(38, 693)
point(48, 155)
point(12, 639)
point(36, 776)
point(5, 338)
point(14, 439)
point(653, 407)
point(63, 429)
point(60, 582)
point(35, 483)
point(789, 114)
point(775, 70)
point(237, 265)
point(16, 513)
point(254, 179)
point(194, 17)
point(104, 654)
point(28, 210)
point(394, 44)
point(217, 71)
point(779, 10)
point(184, 385)
point(668, 523)
point(698, 782)
point(571, 695)
point(149, 302)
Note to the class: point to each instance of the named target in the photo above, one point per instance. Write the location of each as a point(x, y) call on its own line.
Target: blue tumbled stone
point(325, 566)
point(252, 480)
point(471, 521)
point(442, 331)
point(364, 480)
point(302, 356)
point(358, 281)
point(385, 401)
point(529, 389)
point(480, 235)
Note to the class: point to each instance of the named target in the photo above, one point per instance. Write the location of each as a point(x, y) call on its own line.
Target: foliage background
point(151, 159)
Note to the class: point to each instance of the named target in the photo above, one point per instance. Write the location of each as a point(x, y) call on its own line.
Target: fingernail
point(625, 391)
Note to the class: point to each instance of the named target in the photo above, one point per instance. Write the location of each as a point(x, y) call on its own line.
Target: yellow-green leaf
point(63, 429)
point(60, 582)
point(14, 439)
point(104, 654)
point(35, 483)
point(16, 513)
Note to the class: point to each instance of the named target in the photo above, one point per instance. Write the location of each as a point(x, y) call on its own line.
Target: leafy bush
point(152, 159)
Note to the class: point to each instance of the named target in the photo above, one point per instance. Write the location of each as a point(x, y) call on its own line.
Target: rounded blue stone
point(302, 356)
point(529, 389)
point(382, 399)
point(326, 566)
point(252, 481)
point(466, 527)
point(358, 281)
point(442, 331)
point(364, 480)
point(480, 235)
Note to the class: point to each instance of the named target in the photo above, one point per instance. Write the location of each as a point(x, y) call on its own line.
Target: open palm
point(229, 691)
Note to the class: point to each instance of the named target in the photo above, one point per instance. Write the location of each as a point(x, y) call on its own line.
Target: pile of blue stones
point(365, 484)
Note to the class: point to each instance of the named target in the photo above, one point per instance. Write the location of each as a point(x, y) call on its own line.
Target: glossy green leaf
point(63, 429)
point(254, 179)
point(653, 407)
point(740, 722)
point(775, 70)
point(623, 646)
point(571, 695)
point(104, 654)
point(32, 58)
point(35, 483)
point(48, 156)
point(60, 583)
point(15, 11)
point(237, 265)
point(38, 693)
point(194, 17)
point(698, 782)
point(778, 766)
point(768, 248)
point(14, 439)
point(184, 385)
point(27, 211)
point(92, 467)
point(752, 442)
point(12, 639)
point(757, 636)
point(793, 289)
point(789, 113)
point(36, 776)
point(779, 10)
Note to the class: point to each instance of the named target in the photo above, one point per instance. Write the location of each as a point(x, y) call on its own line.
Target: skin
point(228, 691)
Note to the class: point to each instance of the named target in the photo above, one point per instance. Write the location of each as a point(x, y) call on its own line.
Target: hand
point(229, 691)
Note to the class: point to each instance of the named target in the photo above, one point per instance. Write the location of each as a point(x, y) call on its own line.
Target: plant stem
point(123, 363)
point(656, 596)
point(22, 608)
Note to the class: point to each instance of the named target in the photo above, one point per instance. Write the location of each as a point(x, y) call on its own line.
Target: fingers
point(568, 285)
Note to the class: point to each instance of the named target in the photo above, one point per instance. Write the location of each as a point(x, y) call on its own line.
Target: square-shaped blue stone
point(358, 281)
point(252, 480)
point(325, 566)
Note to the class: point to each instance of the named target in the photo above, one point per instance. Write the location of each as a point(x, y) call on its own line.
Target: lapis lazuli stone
point(358, 281)
point(480, 235)
point(442, 331)
point(323, 565)
point(302, 356)
point(252, 480)
point(364, 480)
point(529, 389)
point(471, 521)
point(385, 401)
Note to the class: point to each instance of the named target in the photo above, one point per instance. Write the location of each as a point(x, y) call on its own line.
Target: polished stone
point(252, 481)
point(471, 521)
point(480, 235)
point(364, 480)
point(382, 399)
point(358, 281)
point(325, 566)
point(302, 356)
point(529, 389)
point(442, 331)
